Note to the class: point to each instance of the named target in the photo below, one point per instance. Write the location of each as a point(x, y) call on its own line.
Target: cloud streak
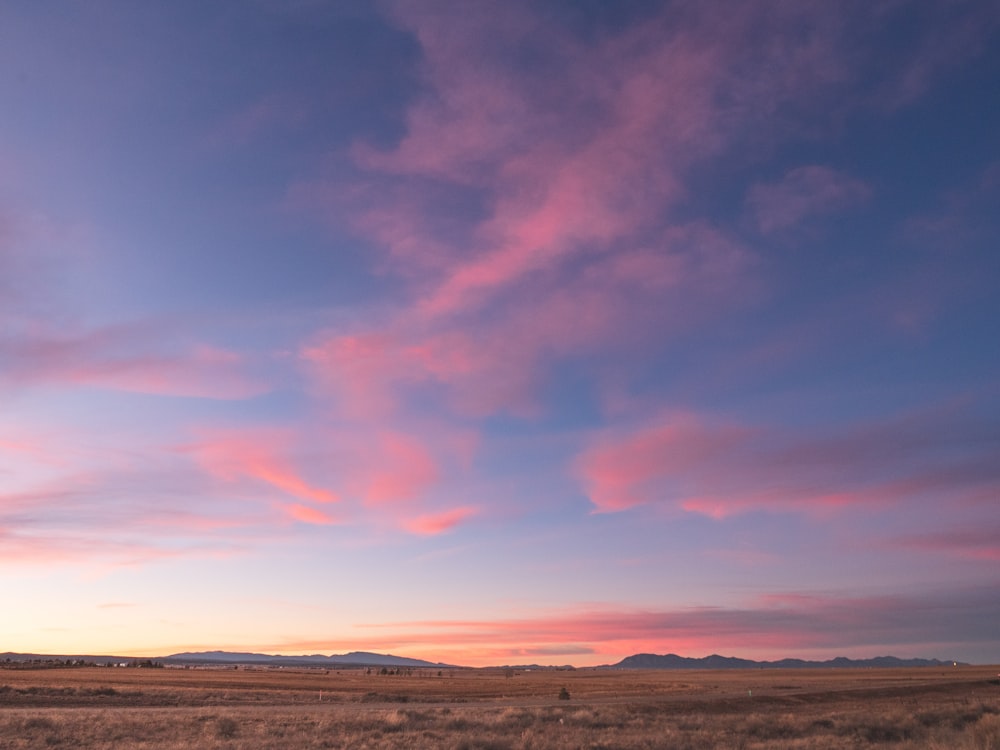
point(121, 358)
point(439, 523)
point(721, 470)
point(973, 543)
point(261, 456)
point(803, 192)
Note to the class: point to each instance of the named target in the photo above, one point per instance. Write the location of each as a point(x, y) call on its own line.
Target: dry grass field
point(99, 707)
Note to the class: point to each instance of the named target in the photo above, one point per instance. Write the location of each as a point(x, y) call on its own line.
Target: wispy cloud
point(308, 514)
point(126, 358)
point(719, 470)
point(980, 542)
point(95, 501)
point(803, 192)
point(264, 456)
point(951, 36)
point(376, 477)
point(439, 523)
point(532, 216)
point(500, 365)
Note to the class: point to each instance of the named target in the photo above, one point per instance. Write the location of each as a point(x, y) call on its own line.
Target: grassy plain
point(99, 707)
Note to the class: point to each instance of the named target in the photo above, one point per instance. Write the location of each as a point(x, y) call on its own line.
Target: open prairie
point(101, 707)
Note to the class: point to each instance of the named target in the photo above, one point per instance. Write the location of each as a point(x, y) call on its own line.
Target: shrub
point(483, 744)
point(226, 727)
point(39, 722)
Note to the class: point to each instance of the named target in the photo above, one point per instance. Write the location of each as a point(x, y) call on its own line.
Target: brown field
point(101, 707)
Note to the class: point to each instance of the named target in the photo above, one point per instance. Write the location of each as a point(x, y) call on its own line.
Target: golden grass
point(476, 709)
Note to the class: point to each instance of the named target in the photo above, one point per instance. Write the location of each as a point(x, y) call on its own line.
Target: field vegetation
point(231, 709)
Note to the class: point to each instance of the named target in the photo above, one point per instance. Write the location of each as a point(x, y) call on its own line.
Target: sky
point(500, 333)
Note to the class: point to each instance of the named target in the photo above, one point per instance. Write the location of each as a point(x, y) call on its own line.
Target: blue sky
point(546, 332)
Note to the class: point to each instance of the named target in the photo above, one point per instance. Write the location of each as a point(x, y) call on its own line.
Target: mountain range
point(354, 659)
point(673, 661)
point(368, 659)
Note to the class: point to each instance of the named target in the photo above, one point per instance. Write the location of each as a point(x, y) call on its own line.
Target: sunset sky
point(500, 332)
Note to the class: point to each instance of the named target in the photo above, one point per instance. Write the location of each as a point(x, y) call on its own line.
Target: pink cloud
point(381, 478)
point(360, 369)
point(105, 517)
point(566, 187)
point(476, 371)
point(721, 470)
point(529, 212)
point(618, 472)
point(307, 514)
point(17, 549)
point(804, 192)
point(788, 501)
point(120, 359)
point(531, 216)
point(261, 455)
point(42, 347)
point(981, 542)
point(397, 477)
point(35, 449)
point(566, 243)
point(98, 500)
point(497, 364)
point(439, 523)
point(220, 494)
point(404, 469)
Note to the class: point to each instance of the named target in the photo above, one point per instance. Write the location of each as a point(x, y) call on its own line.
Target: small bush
point(226, 727)
point(483, 744)
point(882, 732)
point(563, 694)
point(39, 722)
